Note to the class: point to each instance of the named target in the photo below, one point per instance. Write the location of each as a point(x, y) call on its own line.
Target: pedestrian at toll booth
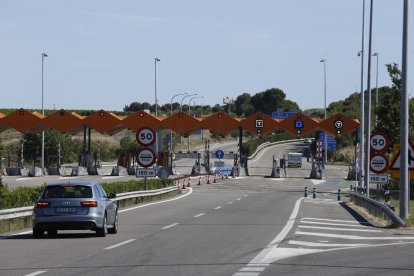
point(283, 165)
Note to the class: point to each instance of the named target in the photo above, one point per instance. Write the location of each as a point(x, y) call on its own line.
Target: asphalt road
point(246, 226)
point(242, 226)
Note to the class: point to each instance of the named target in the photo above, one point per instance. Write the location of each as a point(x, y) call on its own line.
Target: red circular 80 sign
point(146, 136)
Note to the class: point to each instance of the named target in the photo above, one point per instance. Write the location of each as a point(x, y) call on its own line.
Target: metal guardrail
point(28, 211)
point(377, 208)
point(268, 144)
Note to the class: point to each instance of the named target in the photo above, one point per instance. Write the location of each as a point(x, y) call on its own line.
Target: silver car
point(80, 205)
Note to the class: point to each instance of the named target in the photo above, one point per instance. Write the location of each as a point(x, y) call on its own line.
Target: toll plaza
point(180, 123)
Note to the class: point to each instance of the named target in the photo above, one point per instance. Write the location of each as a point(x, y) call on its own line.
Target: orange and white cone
point(184, 184)
point(189, 182)
point(214, 180)
point(208, 179)
point(199, 181)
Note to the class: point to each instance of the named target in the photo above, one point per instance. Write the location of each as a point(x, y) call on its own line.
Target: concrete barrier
point(79, 171)
point(119, 171)
point(35, 171)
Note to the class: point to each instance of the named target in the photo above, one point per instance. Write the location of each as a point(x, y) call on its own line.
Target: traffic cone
point(199, 181)
point(184, 184)
point(208, 179)
point(214, 180)
point(189, 182)
point(177, 182)
point(222, 176)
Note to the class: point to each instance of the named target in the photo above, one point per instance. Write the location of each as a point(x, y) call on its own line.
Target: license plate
point(65, 210)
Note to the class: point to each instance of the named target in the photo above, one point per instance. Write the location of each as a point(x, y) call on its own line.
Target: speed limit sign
point(379, 141)
point(146, 136)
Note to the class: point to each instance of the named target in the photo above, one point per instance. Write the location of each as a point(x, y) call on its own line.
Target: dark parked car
point(79, 205)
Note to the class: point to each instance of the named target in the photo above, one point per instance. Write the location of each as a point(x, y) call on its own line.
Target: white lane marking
point(36, 273)
point(199, 215)
point(113, 177)
point(22, 233)
point(119, 244)
point(317, 244)
point(218, 207)
point(338, 229)
point(246, 274)
point(317, 182)
point(190, 190)
point(252, 269)
point(239, 198)
point(23, 178)
point(351, 237)
point(335, 220)
point(266, 254)
point(258, 265)
point(230, 202)
point(169, 226)
point(333, 224)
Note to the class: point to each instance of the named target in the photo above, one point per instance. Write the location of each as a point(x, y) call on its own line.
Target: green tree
point(243, 105)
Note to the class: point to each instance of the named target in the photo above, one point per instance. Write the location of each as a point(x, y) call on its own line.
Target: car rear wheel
point(52, 233)
point(101, 232)
point(38, 233)
point(114, 228)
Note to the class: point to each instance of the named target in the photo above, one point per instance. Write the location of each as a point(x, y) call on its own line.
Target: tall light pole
point(156, 102)
point(362, 106)
point(43, 113)
point(189, 95)
point(324, 88)
point(404, 175)
point(155, 87)
point(368, 126)
point(376, 91)
point(181, 108)
point(171, 102)
point(189, 106)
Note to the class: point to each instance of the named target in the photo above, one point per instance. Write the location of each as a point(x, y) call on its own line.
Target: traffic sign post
point(146, 172)
point(146, 157)
point(379, 163)
point(379, 141)
point(146, 136)
point(219, 154)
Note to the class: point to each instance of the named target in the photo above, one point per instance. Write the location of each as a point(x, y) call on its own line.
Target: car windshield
point(67, 191)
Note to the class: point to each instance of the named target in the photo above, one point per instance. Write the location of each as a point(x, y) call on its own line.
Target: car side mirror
point(112, 195)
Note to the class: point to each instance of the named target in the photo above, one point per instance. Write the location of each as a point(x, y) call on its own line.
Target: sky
point(101, 54)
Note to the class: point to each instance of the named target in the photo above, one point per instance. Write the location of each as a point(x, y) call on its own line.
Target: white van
point(294, 160)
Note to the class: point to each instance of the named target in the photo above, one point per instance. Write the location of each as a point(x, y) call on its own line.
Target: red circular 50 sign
point(146, 136)
point(379, 141)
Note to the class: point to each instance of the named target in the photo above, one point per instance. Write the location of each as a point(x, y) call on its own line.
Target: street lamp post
point(376, 91)
point(181, 108)
point(43, 113)
point(189, 105)
point(324, 86)
point(171, 102)
point(368, 125)
point(362, 104)
point(156, 102)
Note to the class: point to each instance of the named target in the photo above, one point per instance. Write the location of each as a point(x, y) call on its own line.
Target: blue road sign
point(219, 154)
point(282, 115)
point(329, 139)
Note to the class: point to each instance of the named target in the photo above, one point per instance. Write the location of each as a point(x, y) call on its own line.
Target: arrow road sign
point(219, 154)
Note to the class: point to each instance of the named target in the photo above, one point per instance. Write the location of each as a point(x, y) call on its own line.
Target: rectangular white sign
point(146, 172)
point(379, 178)
point(219, 163)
